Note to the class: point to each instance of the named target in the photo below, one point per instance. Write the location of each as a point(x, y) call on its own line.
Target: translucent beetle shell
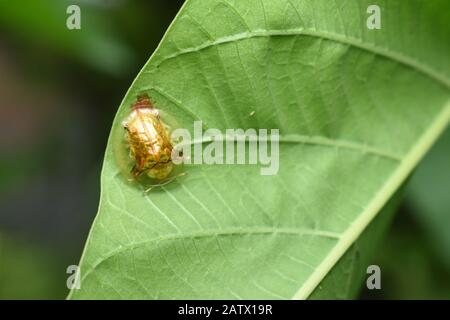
point(148, 140)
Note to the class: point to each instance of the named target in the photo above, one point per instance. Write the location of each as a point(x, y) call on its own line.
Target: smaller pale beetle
point(148, 140)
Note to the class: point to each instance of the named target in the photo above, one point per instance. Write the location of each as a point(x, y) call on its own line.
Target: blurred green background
point(59, 90)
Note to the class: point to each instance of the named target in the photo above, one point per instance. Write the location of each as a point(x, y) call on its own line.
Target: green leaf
point(356, 109)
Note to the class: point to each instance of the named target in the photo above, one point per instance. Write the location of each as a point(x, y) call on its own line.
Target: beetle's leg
point(136, 172)
point(167, 181)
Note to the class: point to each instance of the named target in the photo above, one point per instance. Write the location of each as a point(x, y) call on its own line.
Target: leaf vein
point(346, 40)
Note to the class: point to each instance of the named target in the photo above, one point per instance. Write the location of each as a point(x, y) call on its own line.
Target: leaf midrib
point(379, 200)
